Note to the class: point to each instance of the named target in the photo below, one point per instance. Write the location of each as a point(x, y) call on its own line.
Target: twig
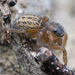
point(51, 64)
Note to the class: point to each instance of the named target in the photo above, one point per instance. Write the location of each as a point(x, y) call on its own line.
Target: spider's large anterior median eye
point(55, 31)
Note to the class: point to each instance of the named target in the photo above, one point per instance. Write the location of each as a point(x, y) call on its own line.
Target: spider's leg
point(65, 39)
point(18, 31)
point(39, 38)
point(45, 19)
point(60, 43)
point(57, 47)
point(50, 38)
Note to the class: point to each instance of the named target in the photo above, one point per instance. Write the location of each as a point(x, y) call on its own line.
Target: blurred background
point(61, 11)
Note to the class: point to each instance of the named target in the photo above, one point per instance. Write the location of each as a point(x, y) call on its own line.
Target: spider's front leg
point(39, 38)
point(57, 47)
point(65, 39)
point(50, 38)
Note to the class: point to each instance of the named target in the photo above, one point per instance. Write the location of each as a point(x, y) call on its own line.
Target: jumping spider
point(51, 33)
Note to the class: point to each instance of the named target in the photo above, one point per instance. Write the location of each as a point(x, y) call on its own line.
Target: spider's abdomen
point(31, 23)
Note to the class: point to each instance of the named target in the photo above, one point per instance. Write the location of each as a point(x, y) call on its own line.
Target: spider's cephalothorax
point(51, 33)
point(58, 30)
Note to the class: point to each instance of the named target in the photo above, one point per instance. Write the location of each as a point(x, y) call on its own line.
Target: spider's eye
point(55, 31)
